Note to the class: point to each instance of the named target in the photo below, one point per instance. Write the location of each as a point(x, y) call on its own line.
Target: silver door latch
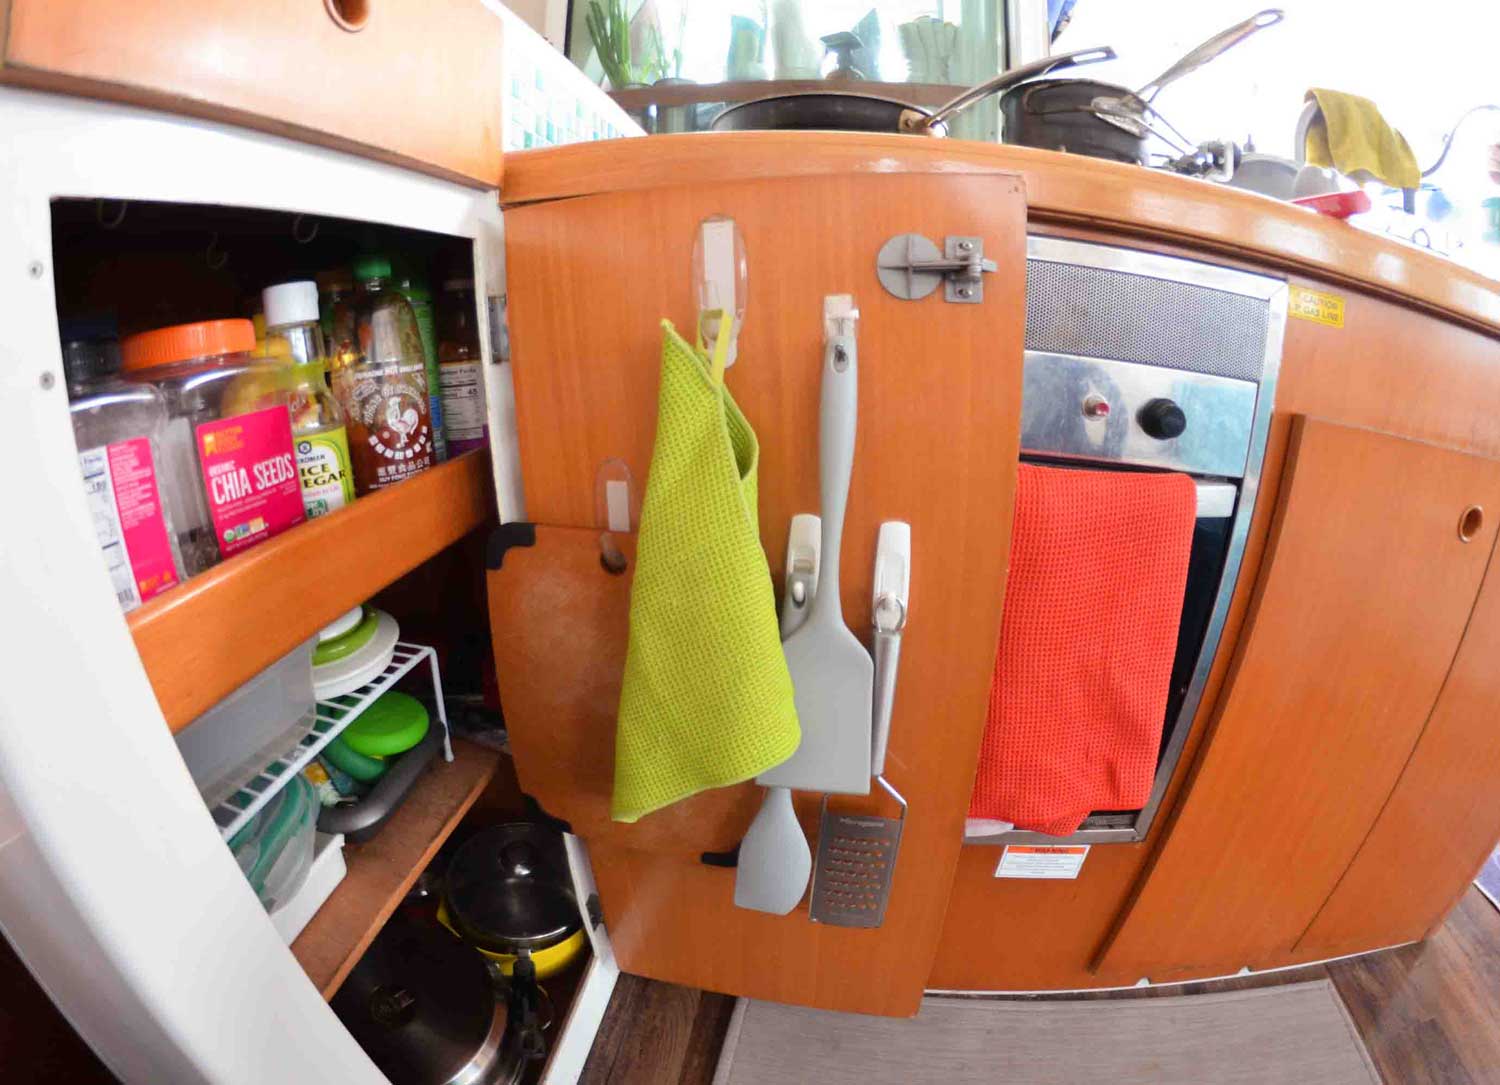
point(911, 267)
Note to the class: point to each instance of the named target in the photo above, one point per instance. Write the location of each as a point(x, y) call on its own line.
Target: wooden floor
point(1429, 1014)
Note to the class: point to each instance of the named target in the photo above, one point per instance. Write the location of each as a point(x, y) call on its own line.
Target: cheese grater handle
point(887, 657)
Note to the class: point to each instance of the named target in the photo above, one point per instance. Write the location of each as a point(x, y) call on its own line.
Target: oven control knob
point(1162, 419)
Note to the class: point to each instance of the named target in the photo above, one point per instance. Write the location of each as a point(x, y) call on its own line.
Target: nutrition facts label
point(119, 481)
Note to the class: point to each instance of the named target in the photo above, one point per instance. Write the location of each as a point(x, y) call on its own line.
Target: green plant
point(609, 27)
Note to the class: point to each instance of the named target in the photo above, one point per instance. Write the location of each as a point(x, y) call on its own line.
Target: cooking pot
point(1106, 120)
point(507, 892)
point(840, 111)
point(1058, 115)
point(422, 1006)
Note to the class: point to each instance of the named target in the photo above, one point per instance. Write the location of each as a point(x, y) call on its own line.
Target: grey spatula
point(775, 861)
point(832, 673)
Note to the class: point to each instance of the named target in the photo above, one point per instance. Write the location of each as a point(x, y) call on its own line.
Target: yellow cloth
point(1349, 134)
point(707, 698)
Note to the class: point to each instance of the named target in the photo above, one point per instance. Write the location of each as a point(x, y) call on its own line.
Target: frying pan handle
point(1219, 43)
point(914, 121)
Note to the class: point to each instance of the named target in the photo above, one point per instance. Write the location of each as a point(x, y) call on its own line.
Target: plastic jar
point(460, 370)
point(119, 429)
point(229, 469)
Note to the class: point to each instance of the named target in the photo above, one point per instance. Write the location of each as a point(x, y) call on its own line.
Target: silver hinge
point(911, 267)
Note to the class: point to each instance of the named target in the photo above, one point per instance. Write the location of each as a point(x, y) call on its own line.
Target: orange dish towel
point(1098, 566)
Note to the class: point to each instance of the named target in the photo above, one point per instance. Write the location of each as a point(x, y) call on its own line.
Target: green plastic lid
point(346, 644)
point(375, 266)
point(393, 724)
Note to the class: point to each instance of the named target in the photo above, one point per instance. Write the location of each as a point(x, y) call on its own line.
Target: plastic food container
point(119, 429)
point(229, 469)
point(275, 849)
point(265, 718)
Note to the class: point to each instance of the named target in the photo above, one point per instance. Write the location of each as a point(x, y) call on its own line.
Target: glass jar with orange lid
point(228, 461)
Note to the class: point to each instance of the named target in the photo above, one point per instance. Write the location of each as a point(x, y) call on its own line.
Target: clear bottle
point(415, 291)
point(118, 427)
point(318, 433)
point(383, 389)
point(460, 369)
point(228, 469)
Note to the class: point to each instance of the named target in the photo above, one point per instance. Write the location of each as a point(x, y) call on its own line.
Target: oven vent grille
point(1100, 313)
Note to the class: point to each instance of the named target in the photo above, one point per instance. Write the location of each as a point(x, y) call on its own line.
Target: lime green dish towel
point(707, 699)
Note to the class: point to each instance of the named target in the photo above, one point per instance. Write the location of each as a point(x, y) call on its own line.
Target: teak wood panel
point(1443, 817)
point(199, 642)
point(420, 85)
point(1060, 189)
point(1356, 619)
point(939, 409)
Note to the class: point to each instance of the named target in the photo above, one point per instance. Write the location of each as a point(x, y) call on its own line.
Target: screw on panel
point(34, 269)
point(48, 380)
point(965, 246)
point(966, 291)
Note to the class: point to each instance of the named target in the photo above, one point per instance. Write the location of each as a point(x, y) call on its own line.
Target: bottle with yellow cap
point(293, 335)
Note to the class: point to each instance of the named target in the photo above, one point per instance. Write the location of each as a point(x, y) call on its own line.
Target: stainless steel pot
point(422, 1005)
point(839, 111)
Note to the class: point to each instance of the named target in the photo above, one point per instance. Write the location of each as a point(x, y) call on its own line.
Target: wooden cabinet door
point(937, 445)
point(1442, 819)
point(415, 84)
point(1365, 591)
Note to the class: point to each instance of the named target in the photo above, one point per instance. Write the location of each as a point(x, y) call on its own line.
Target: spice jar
point(228, 467)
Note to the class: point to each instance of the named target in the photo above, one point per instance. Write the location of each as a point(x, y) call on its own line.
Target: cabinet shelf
point(383, 870)
point(201, 641)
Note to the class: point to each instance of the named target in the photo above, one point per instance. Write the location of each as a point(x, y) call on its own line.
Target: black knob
point(1162, 419)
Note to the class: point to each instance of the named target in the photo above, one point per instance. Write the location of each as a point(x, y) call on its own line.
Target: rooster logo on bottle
point(402, 422)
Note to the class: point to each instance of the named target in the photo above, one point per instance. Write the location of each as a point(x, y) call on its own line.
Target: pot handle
point(915, 121)
point(1219, 43)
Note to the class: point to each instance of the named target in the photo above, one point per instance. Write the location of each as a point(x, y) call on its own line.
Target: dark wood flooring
point(1429, 1013)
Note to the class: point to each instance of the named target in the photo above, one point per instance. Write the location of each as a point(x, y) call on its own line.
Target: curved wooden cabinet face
point(937, 445)
point(1442, 820)
point(417, 84)
point(1354, 625)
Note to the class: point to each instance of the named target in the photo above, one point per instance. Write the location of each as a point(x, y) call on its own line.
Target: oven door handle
point(1216, 500)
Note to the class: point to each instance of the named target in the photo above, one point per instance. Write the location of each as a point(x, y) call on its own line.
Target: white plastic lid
point(290, 303)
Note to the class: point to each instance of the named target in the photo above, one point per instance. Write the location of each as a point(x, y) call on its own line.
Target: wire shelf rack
point(332, 717)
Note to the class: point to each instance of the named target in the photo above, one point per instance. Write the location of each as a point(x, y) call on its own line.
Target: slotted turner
point(832, 674)
point(857, 852)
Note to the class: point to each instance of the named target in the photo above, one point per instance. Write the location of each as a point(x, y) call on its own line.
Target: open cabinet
point(117, 889)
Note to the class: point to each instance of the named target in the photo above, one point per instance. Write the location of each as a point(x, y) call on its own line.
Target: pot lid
point(508, 888)
point(421, 1004)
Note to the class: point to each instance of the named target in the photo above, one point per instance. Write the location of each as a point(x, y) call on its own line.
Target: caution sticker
point(1316, 305)
point(1042, 860)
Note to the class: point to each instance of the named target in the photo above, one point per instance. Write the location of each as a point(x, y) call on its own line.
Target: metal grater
point(856, 859)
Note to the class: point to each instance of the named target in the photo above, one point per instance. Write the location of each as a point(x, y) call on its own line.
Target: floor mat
point(1297, 1034)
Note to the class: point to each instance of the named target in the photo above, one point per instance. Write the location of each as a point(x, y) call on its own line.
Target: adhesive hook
point(720, 280)
point(112, 221)
point(298, 233)
point(615, 511)
point(213, 256)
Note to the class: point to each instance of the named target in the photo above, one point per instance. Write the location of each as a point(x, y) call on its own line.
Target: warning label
point(1042, 860)
point(1315, 305)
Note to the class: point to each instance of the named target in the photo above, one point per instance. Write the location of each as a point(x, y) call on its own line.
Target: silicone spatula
point(775, 861)
point(832, 673)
